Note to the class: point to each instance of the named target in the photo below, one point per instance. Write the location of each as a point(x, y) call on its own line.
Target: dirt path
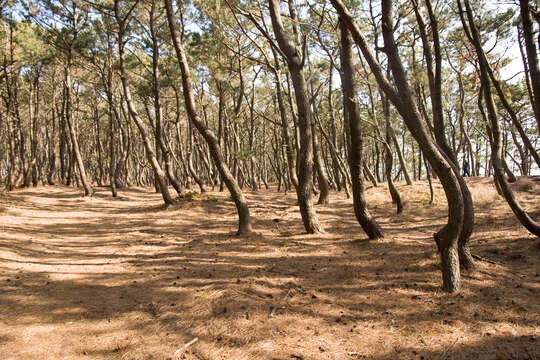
point(126, 279)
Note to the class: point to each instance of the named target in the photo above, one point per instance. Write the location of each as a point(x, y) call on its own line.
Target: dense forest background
point(311, 95)
point(269, 179)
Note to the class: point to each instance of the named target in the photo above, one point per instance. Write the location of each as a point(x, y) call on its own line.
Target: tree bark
point(532, 56)
point(401, 96)
point(435, 88)
point(165, 152)
point(158, 172)
point(368, 223)
point(88, 191)
point(244, 223)
point(295, 63)
point(496, 151)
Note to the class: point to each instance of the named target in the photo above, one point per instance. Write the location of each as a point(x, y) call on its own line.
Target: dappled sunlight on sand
point(126, 278)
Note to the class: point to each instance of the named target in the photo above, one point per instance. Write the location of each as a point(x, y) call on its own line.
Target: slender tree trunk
point(191, 169)
point(295, 62)
point(368, 223)
point(285, 128)
point(389, 159)
point(402, 97)
point(496, 151)
point(158, 172)
point(435, 86)
point(244, 223)
point(532, 57)
point(402, 163)
point(88, 191)
point(322, 177)
point(157, 103)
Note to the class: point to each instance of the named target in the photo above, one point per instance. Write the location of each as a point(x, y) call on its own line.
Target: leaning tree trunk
point(289, 150)
point(88, 191)
point(435, 87)
point(389, 157)
point(532, 56)
point(295, 62)
point(166, 154)
point(158, 172)
point(319, 167)
point(244, 219)
point(368, 223)
point(401, 96)
point(496, 151)
point(107, 79)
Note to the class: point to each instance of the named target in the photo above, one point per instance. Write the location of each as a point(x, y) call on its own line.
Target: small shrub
point(187, 196)
point(527, 186)
point(210, 198)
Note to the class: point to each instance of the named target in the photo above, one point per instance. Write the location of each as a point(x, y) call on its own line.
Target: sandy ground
point(101, 278)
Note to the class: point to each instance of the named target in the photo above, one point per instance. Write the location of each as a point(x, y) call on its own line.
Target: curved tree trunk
point(319, 167)
point(402, 163)
point(189, 160)
point(88, 191)
point(295, 62)
point(402, 97)
point(285, 127)
point(368, 223)
point(244, 220)
point(389, 157)
point(158, 172)
point(496, 150)
point(435, 87)
point(157, 103)
point(532, 56)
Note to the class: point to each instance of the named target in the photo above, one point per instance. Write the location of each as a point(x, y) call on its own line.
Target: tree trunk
point(244, 223)
point(295, 62)
point(157, 103)
point(435, 87)
point(402, 97)
point(368, 223)
point(158, 172)
point(496, 151)
point(88, 191)
point(532, 56)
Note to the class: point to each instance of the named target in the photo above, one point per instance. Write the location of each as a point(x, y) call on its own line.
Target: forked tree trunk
point(401, 96)
point(435, 87)
point(295, 62)
point(244, 220)
point(496, 151)
point(368, 223)
point(158, 172)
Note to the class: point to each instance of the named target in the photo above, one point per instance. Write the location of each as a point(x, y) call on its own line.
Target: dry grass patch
point(102, 278)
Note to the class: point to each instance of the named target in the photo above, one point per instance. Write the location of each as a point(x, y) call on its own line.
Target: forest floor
point(103, 278)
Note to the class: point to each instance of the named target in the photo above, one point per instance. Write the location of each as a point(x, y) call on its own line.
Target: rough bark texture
point(532, 56)
point(496, 149)
point(158, 110)
point(295, 63)
point(244, 220)
point(88, 191)
point(368, 223)
point(158, 172)
point(435, 88)
point(401, 96)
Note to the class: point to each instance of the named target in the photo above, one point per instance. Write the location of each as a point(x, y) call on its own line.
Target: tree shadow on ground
point(137, 283)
